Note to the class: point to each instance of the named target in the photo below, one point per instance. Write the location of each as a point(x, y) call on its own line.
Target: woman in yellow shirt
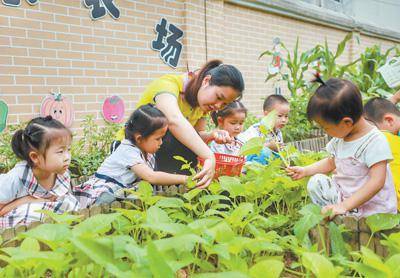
point(186, 100)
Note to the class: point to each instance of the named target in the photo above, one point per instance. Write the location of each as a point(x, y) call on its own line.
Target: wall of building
point(55, 45)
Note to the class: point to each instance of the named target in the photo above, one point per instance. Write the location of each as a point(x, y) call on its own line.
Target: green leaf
point(342, 45)
point(311, 217)
point(158, 266)
point(337, 243)
point(320, 266)
point(382, 221)
point(30, 244)
point(253, 146)
point(232, 185)
point(204, 200)
point(62, 218)
point(266, 269)
point(180, 158)
point(393, 263)
point(97, 224)
point(51, 234)
point(99, 251)
point(268, 122)
point(221, 232)
point(372, 260)
point(170, 202)
point(156, 215)
point(242, 211)
point(230, 274)
point(181, 243)
point(192, 194)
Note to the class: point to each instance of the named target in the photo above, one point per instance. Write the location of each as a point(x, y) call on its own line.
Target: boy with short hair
point(386, 117)
point(282, 108)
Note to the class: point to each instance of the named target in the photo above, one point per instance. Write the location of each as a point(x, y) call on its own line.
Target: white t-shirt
point(369, 149)
point(254, 131)
point(118, 165)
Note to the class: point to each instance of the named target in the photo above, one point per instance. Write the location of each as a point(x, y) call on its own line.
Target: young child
point(41, 181)
point(132, 161)
point(386, 117)
point(231, 119)
point(276, 103)
point(359, 155)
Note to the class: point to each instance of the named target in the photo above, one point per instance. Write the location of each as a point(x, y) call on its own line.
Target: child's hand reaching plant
point(333, 210)
point(221, 136)
point(296, 172)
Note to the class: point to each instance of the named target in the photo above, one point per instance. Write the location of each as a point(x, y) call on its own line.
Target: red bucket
point(226, 165)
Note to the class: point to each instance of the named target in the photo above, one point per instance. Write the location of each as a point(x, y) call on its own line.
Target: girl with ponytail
point(361, 183)
point(41, 180)
point(186, 100)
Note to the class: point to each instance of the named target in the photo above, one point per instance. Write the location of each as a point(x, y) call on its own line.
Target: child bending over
point(132, 161)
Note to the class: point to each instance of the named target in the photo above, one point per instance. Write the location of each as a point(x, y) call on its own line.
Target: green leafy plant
point(90, 150)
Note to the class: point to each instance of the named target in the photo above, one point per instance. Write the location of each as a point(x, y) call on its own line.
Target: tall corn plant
point(297, 64)
point(328, 66)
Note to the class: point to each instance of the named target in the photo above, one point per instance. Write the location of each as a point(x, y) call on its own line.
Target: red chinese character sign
point(99, 8)
point(114, 109)
point(58, 107)
point(3, 115)
point(17, 3)
point(168, 42)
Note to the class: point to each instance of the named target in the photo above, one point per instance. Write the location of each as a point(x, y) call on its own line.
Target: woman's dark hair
point(221, 75)
point(230, 109)
point(38, 136)
point(334, 100)
point(376, 108)
point(144, 121)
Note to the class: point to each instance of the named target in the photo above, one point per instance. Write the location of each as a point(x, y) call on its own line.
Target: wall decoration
point(3, 115)
point(168, 42)
point(114, 109)
point(17, 3)
point(99, 8)
point(276, 63)
point(58, 107)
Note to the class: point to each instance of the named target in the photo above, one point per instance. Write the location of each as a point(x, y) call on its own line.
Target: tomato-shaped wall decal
point(114, 109)
point(59, 107)
point(3, 115)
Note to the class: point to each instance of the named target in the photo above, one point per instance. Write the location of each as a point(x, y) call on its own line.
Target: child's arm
point(395, 98)
point(323, 166)
point(376, 181)
point(156, 177)
point(6, 208)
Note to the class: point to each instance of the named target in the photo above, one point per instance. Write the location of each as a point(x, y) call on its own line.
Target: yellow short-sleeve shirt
point(172, 84)
point(394, 143)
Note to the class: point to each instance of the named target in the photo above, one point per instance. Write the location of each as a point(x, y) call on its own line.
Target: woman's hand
point(221, 136)
point(296, 172)
point(206, 174)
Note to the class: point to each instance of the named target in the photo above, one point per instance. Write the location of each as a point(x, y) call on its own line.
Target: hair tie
point(319, 79)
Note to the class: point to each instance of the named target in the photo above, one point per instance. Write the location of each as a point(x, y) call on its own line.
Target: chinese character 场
point(169, 46)
point(99, 8)
point(17, 3)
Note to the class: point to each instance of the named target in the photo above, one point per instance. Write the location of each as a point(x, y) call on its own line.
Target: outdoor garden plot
point(256, 225)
